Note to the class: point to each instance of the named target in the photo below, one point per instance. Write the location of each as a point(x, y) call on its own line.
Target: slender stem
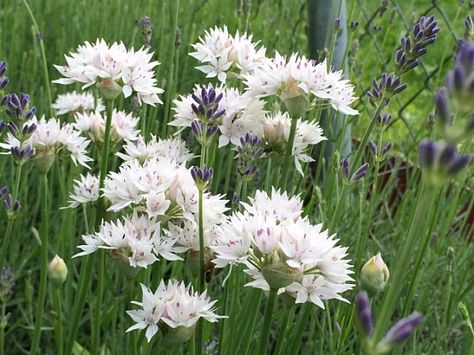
point(252, 304)
point(44, 265)
point(201, 287)
point(100, 214)
point(58, 326)
point(267, 322)
point(424, 200)
point(43, 57)
point(304, 315)
point(288, 154)
point(228, 171)
point(283, 327)
point(2, 329)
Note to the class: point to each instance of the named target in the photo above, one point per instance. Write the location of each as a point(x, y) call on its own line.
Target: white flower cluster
point(277, 130)
point(73, 102)
point(172, 305)
point(123, 126)
point(114, 68)
point(242, 114)
point(224, 55)
point(49, 138)
point(299, 76)
point(135, 238)
point(279, 247)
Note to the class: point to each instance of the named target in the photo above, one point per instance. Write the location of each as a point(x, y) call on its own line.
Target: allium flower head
point(172, 307)
point(123, 127)
point(224, 55)
point(134, 239)
point(284, 251)
point(298, 79)
point(85, 190)
point(276, 132)
point(173, 149)
point(114, 69)
point(73, 102)
point(48, 138)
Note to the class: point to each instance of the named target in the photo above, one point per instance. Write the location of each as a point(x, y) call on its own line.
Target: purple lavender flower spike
point(402, 330)
point(364, 313)
point(361, 172)
point(442, 107)
point(201, 175)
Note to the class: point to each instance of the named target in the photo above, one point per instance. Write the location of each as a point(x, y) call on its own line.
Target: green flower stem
point(86, 268)
point(58, 326)
point(303, 318)
point(43, 58)
point(201, 284)
point(283, 329)
point(247, 325)
point(228, 171)
point(223, 322)
point(288, 154)
point(424, 200)
point(267, 322)
point(100, 214)
point(2, 329)
point(43, 265)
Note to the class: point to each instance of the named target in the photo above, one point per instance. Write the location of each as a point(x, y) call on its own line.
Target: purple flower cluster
point(383, 89)
point(201, 176)
point(248, 152)
point(12, 206)
point(145, 24)
point(207, 111)
point(414, 45)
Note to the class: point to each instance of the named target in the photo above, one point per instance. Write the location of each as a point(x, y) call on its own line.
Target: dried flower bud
point(374, 274)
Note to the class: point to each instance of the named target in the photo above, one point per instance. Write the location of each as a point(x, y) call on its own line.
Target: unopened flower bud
point(176, 336)
point(57, 271)
point(374, 274)
point(399, 332)
point(280, 275)
point(110, 89)
point(364, 318)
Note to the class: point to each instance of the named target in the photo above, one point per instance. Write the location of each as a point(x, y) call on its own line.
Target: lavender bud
point(3, 68)
point(201, 176)
point(3, 191)
point(13, 128)
point(212, 95)
point(385, 118)
point(235, 199)
point(442, 108)
point(361, 172)
point(402, 330)
point(427, 152)
point(354, 25)
point(337, 24)
point(4, 100)
point(345, 167)
point(196, 98)
point(458, 163)
point(447, 154)
point(24, 100)
point(218, 98)
point(30, 114)
point(212, 130)
point(373, 147)
point(196, 128)
point(364, 314)
point(386, 148)
point(3, 125)
point(29, 129)
point(3, 83)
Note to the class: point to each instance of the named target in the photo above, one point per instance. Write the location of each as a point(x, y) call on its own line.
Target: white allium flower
point(73, 102)
point(187, 234)
point(223, 54)
point(134, 238)
point(123, 125)
point(114, 68)
point(277, 131)
point(173, 304)
point(172, 149)
point(49, 138)
point(242, 114)
point(85, 190)
point(298, 76)
point(283, 249)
